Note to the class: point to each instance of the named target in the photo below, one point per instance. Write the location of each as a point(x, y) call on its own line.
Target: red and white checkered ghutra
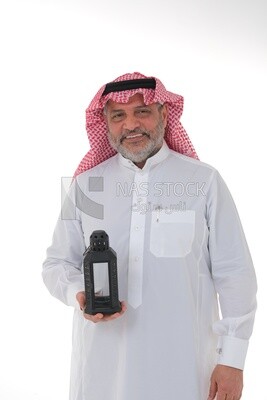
point(100, 148)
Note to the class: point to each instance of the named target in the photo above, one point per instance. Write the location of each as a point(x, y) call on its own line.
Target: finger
point(123, 307)
point(94, 318)
point(111, 317)
point(222, 396)
point(81, 300)
point(117, 314)
point(213, 389)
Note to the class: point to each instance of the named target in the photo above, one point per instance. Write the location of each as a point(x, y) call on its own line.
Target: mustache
point(128, 132)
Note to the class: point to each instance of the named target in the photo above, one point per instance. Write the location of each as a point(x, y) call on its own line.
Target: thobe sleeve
point(62, 268)
point(233, 275)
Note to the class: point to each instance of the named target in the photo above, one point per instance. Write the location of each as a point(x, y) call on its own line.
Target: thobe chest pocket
point(172, 232)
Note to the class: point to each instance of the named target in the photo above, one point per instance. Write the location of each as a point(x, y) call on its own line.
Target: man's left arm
point(235, 282)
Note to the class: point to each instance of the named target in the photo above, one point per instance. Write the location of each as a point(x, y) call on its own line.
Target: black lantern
point(100, 276)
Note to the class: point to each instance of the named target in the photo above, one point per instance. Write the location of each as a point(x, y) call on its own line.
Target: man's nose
point(131, 122)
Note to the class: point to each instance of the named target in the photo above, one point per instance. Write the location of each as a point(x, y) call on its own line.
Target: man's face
point(136, 130)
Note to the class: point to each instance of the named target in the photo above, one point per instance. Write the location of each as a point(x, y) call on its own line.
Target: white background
point(55, 55)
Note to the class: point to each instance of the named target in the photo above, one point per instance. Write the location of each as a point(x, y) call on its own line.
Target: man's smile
point(134, 137)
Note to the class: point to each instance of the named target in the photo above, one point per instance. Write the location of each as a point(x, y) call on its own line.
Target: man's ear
point(164, 114)
point(105, 109)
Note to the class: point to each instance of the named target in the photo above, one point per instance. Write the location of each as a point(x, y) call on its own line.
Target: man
point(179, 243)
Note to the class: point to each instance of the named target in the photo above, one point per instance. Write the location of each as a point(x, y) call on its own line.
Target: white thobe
point(180, 248)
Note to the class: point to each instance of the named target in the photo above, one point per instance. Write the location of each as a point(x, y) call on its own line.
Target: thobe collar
point(163, 153)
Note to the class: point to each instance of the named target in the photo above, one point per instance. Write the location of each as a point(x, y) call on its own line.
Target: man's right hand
point(80, 296)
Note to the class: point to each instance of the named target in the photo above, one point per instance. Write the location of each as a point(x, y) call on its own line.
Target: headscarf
point(128, 85)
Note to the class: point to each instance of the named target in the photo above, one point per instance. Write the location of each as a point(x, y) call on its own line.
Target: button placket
point(136, 244)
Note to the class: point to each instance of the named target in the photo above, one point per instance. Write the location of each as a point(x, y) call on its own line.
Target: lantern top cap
point(99, 241)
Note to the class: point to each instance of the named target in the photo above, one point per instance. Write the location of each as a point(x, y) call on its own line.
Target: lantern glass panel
point(101, 279)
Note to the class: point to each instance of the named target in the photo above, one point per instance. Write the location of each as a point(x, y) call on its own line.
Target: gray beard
point(151, 148)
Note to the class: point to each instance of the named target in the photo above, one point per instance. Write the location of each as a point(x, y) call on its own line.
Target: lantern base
point(102, 305)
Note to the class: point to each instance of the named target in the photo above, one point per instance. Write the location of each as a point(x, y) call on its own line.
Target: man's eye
point(143, 111)
point(117, 116)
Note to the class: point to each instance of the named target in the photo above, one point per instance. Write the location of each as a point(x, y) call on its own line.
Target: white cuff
point(232, 351)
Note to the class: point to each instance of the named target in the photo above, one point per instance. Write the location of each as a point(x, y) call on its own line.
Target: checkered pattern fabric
point(100, 149)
